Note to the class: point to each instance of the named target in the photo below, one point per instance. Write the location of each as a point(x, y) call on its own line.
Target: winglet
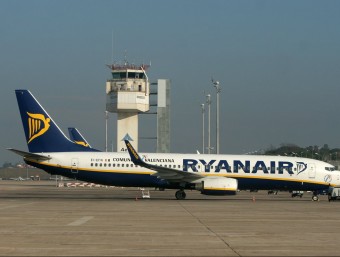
point(135, 158)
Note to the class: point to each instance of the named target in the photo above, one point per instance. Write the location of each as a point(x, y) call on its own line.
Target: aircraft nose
point(336, 175)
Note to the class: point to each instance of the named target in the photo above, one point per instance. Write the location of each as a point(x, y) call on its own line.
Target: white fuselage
point(251, 171)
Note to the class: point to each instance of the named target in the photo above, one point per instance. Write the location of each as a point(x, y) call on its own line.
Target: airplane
point(77, 137)
point(50, 150)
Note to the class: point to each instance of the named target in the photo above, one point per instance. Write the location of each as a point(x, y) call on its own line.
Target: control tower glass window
point(135, 75)
point(119, 75)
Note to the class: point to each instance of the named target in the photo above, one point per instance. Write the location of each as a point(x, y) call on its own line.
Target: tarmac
point(39, 219)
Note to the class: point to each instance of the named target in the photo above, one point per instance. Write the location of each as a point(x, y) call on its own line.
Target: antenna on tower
point(125, 57)
point(112, 46)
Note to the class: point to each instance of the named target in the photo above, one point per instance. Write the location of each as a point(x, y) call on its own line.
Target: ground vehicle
point(333, 193)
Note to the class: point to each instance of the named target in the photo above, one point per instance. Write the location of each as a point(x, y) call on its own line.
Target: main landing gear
point(180, 195)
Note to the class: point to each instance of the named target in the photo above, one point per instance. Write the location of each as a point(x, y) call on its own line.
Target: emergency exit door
point(311, 170)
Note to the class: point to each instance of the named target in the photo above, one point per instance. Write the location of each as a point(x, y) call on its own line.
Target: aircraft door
point(74, 165)
point(311, 170)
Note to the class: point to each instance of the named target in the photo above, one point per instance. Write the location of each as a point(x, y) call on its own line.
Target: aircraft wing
point(29, 155)
point(169, 174)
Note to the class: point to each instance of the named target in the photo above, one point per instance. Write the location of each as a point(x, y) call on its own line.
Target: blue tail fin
point(78, 138)
point(42, 133)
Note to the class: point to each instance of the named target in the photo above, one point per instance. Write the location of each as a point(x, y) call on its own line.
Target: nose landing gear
point(315, 197)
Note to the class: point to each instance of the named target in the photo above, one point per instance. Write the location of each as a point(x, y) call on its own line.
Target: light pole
point(106, 118)
point(209, 125)
point(218, 90)
point(203, 111)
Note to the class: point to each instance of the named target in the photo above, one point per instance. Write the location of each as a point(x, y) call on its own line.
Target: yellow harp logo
point(37, 125)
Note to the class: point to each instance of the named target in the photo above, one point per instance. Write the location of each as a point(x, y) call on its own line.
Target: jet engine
point(217, 186)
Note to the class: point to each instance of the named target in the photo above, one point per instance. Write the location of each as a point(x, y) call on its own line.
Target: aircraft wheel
point(180, 195)
point(315, 198)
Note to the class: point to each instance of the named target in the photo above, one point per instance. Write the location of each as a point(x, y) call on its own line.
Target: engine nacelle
point(217, 186)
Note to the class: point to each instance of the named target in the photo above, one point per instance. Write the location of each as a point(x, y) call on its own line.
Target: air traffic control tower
point(127, 94)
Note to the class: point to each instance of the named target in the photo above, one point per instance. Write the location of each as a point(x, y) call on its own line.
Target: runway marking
point(80, 221)
point(15, 206)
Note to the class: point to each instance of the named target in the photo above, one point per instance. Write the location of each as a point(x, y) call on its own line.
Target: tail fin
point(78, 138)
point(42, 133)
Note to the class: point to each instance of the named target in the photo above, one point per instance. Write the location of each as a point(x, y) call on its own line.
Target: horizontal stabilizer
point(29, 155)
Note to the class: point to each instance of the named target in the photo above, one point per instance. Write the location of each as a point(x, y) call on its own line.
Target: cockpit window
point(330, 168)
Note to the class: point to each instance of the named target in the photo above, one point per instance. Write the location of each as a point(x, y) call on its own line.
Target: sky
point(277, 62)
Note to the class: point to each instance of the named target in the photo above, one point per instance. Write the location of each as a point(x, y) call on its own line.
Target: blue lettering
point(239, 164)
point(189, 163)
point(192, 165)
point(286, 165)
point(260, 165)
point(223, 164)
point(272, 167)
point(207, 166)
